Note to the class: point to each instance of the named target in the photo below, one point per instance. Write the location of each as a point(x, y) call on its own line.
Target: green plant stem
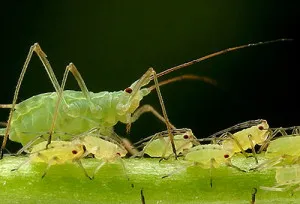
point(67, 183)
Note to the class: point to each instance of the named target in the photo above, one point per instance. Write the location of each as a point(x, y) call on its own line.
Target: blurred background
point(113, 43)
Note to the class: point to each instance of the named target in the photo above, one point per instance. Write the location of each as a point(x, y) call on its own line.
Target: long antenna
point(218, 53)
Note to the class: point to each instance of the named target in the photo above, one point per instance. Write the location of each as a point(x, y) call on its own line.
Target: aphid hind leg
point(43, 57)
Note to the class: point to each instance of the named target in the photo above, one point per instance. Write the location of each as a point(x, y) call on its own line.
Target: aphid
point(287, 178)
point(104, 150)
point(81, 111)
point(247, 138)
point(209, 156)
point(284, 149)
point(58, 152)
point(159, 144)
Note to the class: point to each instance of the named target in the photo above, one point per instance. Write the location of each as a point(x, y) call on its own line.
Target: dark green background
point(113, 43)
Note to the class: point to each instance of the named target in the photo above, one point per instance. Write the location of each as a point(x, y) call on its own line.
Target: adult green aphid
point(58, 152)
point(287, 178)
point(159, 145)
point(75, 112)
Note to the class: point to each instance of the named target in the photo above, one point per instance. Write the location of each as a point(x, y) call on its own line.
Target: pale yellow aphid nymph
point(58, 152)
point(160, 145)
point(210, 155)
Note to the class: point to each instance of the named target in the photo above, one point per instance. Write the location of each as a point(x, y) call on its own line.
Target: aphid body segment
point(287, 178)
point(160, 144)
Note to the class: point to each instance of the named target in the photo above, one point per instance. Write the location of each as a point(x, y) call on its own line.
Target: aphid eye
point(118, 154)
point(260, 127)
point(185, 136)
point(226, 156)
point(128, 90)
point(74, 152)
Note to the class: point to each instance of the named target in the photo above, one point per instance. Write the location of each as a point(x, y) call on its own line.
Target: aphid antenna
point(219, 53)
point(185, 77)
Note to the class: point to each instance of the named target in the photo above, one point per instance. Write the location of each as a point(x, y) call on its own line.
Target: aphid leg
point(238, 126)
point(84, 170)
point(4, 124)
point(6, 106)
point(269, 163)
point(179, 170)
point(25, 147)
point(23, 163)
point(70, 68)
point(37, 49)
point(144, 109)
point(168, 124)
point(118, 157)
point(272, 134)
point(102, 163)
point(252, 147)
point(228, 163)
point(212, 162)
point(238, 144)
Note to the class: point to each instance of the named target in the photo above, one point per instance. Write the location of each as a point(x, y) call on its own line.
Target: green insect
point(159, 145)
point(287, 179)
point(247, 138)
point(209, 156)
point(281, 151)
point(75, 112)
point(106, 150)
point(58, 152)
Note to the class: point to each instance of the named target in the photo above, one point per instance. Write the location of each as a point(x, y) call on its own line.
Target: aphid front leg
point(144, 109)
point(149, 75)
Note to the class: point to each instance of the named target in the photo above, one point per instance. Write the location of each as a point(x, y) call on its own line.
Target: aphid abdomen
point(288, 145)
point(35, 115)
point(203, 154)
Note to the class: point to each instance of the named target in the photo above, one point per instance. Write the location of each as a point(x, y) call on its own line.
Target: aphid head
point(130, 99)
point(261, 132)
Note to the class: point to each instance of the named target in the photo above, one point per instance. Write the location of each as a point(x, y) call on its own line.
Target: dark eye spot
point(128, 90)
point(226, 156)
point(260, 127)
point(118, 154)
point(185, 136)
point(74, 152)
